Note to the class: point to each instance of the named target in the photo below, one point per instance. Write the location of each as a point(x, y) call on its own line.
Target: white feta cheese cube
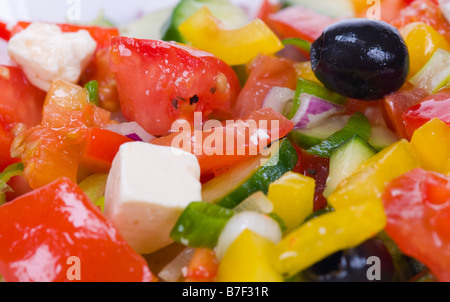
point(147, 189)
point(46, 53)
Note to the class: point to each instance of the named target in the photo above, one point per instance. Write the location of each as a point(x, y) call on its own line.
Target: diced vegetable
point(370, 179)
point(172, 272)
point(234, 186)
point(345, 160)
point(357, 125)
point(332, 8)
point(327, 234)
point(262, 225)
point(293, 198)
point(200, 225)
point(431, 142)
point(435, 74)
point(131, 130)
point(248, 259)
point(77, 229)
point(149, 26)
point(280, 99)
point(5, 177)
point(92, 88)
point(203, 266)
point(382, 137)
point(314, 89)
point(229, 14)
point(257, 202)
point(313, 111)
point(300, 43)
point(94, 187)
point(307, 138)
point(235, 47)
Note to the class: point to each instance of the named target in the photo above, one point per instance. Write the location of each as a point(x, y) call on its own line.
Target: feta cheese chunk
point(46, 53)
point(147, 189)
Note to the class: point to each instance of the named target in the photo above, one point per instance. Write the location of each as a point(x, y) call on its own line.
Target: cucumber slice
point(234, 186)
point(200, 225)
point(331, 8)
point(231, 16)
point(307, 138)
point(382, 137)
point(148, 27)
point(357, 125)
point(315, 89)
point(345, 160)
point(435, 74)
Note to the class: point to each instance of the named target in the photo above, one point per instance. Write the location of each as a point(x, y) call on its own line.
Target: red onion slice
point(279, 99)
point(131, 130)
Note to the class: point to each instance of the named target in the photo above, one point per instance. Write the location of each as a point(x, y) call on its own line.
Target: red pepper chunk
point(417, 207)
point(56, 234)
point(100, 149)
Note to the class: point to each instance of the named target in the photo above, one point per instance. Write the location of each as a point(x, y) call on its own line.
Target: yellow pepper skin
point(422, 41)
point(369, 180)
point(235, 47)
point(293, 198)
point(432, 145)
point(327, 234)
point(248, 259)
point(304, 71)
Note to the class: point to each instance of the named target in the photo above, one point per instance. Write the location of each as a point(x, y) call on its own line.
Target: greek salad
point(308, 141)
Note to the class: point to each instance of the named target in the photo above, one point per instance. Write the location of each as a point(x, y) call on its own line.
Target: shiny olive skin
point(361, 59)
point(351, 265)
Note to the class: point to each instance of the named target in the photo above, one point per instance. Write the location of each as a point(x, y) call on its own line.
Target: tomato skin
point(418, 211)
point(317, 168)
point(100, 148)
point(398, 103)
point(172, 82)
point(299, 22)
point(223, 157)
point(5, 34)
point(264, 73)
point(203, 266)
point(425, 11)
point(433, 106)
point(41, 230)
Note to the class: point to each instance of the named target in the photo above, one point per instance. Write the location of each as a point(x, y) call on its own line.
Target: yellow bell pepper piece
point(327, 234)
point(235, 47)
point(432, 145)
point(369, 180)
point(293, 198)
point(248, 259)
point(304, 71)
point(422, 41)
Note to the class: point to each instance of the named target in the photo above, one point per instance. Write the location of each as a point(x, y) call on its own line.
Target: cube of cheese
point(148, 188)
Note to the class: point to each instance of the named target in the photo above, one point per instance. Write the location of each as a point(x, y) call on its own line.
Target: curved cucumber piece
point(149, 26)
point(234, 186)
point(382, 137)
point(231, 16)
point(307, 138)
point(357, 125)
point(200, 225)
point(345, 160)
point(331, 8)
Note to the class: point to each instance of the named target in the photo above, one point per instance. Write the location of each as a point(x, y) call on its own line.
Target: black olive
point(361, 59)
point(351, 265)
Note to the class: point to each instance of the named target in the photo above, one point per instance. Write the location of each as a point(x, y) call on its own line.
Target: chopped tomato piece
point(425, 11)
point(434, 106)
point(317, 168)
point(222, 154)
point(397, 103)
point(5, 34)
point(56, 234)
point(161, 82)
point(417, 206)
point(267, 8)
point(100, 149)
point(203, 266)
point(264, 73)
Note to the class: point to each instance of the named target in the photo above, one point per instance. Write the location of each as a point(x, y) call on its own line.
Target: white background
point(119, 11)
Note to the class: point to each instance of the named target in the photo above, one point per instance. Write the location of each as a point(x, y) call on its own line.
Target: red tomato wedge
point(214, 156)
point(48, 234)
point(417, 206)
point(264, 73)
point(299, 22)
point(437, 105)
point(100, 148)
point(160, 82)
